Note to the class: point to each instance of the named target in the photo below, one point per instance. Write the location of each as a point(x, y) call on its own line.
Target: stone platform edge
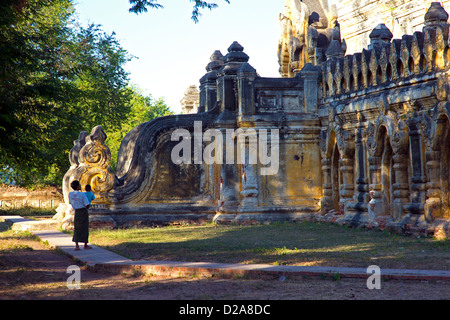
point(256, 271)
point(102, 260)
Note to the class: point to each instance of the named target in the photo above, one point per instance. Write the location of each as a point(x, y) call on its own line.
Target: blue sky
point(172, 51)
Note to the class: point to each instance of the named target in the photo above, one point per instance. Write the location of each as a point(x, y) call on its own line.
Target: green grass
point(313, 244)
point(12, 247)
point(27, 212)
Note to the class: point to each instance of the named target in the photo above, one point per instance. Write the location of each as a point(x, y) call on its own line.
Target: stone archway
point(445, 173)
point(336, 177)
point(436, 138)
point(442, 148)
point(387, 176)
point(380, 161)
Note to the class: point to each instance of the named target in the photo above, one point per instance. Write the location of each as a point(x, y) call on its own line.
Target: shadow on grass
point(310, 244)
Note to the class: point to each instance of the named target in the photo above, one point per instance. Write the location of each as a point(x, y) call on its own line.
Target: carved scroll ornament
point(95, 156)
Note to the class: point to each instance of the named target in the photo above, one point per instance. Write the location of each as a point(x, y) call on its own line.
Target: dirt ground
point(29, 270)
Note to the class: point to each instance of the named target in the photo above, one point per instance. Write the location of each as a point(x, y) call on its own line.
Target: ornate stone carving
point(346, 142)
point(91, 165)
point(400, 138)
point(302, 24)
point(77, 145)
point(426, 126)
point(370, 139)
point(96, 158)
point(442, 87)
point(190, 101)
point(393, 61)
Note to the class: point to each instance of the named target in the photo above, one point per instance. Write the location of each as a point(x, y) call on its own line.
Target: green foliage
point(57, 79)
point(139, 6)
point(101, 78)
point(34, 81)
point(142, 109)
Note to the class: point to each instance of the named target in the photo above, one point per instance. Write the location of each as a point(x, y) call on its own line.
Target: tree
point(34, 80)
point(139, 6)
point(101, 78)
point(56, 80)
point(142, 109)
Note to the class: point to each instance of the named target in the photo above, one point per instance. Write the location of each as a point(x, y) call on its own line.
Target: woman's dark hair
point(87, 187)
point(75, 184)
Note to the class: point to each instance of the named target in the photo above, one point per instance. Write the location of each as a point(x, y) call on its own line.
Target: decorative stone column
point(356, 211)
point(376, 203)
point(346, 145)
point(400, 188)
point(208, 87)
point(361, 178)
point(418, 178)
point(229, 188)
point(347, 187)
point(376, 206)
point(433, 205)
point(401, 185)
point(227, 77)
point(327, 200)
point(229, 177)
point(249, 191)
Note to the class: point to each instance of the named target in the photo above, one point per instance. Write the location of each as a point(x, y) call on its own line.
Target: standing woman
point(80, 204)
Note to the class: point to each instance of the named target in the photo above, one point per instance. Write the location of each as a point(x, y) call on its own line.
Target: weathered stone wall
point(12, 198)
point(362, 139)
point(385, 126)
point(148, 186)
point(358, 18)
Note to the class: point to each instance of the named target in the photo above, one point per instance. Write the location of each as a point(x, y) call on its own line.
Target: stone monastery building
point(357, 129)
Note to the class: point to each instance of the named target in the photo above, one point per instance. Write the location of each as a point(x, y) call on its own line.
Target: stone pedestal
point(326, 203)
point(433, 205)
point(249, 191)
point(376, 204)
point(400, 187)
point(347, 187)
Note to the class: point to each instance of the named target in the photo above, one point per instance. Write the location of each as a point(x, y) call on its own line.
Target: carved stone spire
point(216, 61)
point(337, 48)
point(234, 59)
point(435, 16)
point(190, 101)
point(380, 35)
point(236, 53)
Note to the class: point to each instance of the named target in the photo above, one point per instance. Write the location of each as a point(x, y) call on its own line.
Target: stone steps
point(22, 224)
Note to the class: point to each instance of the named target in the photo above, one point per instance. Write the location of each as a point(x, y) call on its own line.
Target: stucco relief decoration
point(77, 145)
point(345, 141)
point(400, 138)
point(370, 138)
point(426, 126)
point(438, 128)
point(96, 157)
point(301, 24)
point(442, 88)
point(324, 142)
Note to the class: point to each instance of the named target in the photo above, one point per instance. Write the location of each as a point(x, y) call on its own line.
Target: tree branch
point(140, 6)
